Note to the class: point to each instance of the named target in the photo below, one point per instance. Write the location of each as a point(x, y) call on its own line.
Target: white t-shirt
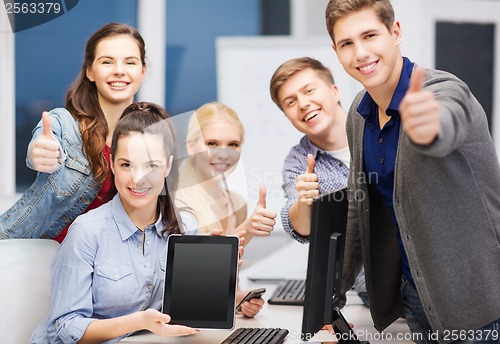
point(342, 154)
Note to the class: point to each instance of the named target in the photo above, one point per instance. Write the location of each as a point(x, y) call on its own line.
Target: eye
point(153, 166)
point(131, 62)
point(125, 165)
point(310, 90)
point(290, 102)
point(234, 145)
point(106, 62)
point(345, 44)
point(211, 144)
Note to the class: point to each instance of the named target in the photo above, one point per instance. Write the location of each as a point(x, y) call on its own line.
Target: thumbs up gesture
point(419, 111)
point(307, 185)
point(262, 221)
point(45, 149)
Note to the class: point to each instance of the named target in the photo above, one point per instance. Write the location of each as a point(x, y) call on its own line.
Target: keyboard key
point(256, 336)
point(289, 292)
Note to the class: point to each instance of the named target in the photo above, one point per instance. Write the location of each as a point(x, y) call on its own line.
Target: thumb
point(417, 80)
point(311, 163)
point(47, 127)
point(262, 196)
point(166, 318)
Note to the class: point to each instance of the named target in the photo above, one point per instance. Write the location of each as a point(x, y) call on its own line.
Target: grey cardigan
point(447, 204)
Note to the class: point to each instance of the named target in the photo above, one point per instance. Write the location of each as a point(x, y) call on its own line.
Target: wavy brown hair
point(152, 119)
point(83, 104)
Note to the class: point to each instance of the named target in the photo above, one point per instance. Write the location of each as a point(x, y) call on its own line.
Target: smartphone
point(252, 294)
point(345, 334)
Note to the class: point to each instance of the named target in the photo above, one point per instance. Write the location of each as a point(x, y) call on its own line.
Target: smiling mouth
point(311, 116)
point(118, 84)
point(369, 67)
point(220, 167)
point(139, 192)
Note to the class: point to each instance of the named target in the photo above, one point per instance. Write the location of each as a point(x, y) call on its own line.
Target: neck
point(382, 95)
point(142, 217)
point(335, 137)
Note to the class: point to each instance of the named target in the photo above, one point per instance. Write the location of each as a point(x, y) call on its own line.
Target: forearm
point(300, 218)
point(103, 330)
point(244, 226)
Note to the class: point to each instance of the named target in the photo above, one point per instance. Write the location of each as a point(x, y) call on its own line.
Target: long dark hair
point(149, 118)
point(82, 101)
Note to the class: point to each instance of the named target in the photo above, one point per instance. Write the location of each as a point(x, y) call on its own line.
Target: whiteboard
point(245, 66)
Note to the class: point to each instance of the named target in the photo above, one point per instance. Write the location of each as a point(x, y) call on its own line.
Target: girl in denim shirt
point(107, 276)
point(70, 146)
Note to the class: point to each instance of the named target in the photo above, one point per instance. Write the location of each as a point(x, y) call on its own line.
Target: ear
point(334, 47)
point(190, 147)
point(335, 91)
point(396, 32)
point(169, 166)
point(111, 163)
point(90, 74)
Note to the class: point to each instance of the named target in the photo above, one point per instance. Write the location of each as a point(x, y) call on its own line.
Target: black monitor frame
point(324, 268)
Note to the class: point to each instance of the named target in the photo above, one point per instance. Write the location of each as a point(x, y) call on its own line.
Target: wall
point(192, 27)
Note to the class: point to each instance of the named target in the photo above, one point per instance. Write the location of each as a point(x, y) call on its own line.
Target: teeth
point(311, 115)
point(118, 84)
point(139, 191)
point(366, 68)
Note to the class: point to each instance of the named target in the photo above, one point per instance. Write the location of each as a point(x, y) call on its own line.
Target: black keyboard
point(256, 336)
point(289, 292)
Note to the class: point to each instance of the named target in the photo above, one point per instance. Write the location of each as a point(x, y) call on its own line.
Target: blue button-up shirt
point(332, 175)
point(381, 145)
point(105, 268)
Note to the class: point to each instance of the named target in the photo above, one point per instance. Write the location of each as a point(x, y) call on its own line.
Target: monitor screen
point(324, 268)
point(200, 280)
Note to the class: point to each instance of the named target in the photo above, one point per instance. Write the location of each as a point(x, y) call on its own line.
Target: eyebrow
point(112, 58)
point(362, 34)
point(300, 89)
point(215, 140)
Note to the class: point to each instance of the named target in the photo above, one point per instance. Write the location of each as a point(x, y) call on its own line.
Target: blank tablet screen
point(200, 281)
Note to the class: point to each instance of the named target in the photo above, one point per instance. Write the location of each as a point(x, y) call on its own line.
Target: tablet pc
point(200, 280)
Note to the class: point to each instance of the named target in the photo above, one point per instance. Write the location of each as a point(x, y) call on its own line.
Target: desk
point(289, 317)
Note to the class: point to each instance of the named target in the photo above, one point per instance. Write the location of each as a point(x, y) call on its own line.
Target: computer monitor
point(324, 268)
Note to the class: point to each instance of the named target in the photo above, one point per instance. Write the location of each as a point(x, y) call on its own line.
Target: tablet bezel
point(233, 241)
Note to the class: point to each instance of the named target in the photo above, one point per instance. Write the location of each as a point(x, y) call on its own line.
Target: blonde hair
point(191, 192)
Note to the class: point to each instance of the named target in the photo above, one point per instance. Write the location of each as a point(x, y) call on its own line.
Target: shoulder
point(189, 223)
point(238, 200)
point(298, 152)
point(444, 82)
point(94, 221)
point(61, 119)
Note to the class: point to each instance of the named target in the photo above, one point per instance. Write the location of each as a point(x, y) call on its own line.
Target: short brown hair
point(293, 66)
point(337, 9)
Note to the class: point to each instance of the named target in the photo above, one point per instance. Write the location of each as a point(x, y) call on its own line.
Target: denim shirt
point(105, 268)
point(54, 199)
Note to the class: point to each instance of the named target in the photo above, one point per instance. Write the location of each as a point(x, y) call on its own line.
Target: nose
point(138, 175)
point(220, 153)
point(303, 101)
point(118, 68)
point(361, 52)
